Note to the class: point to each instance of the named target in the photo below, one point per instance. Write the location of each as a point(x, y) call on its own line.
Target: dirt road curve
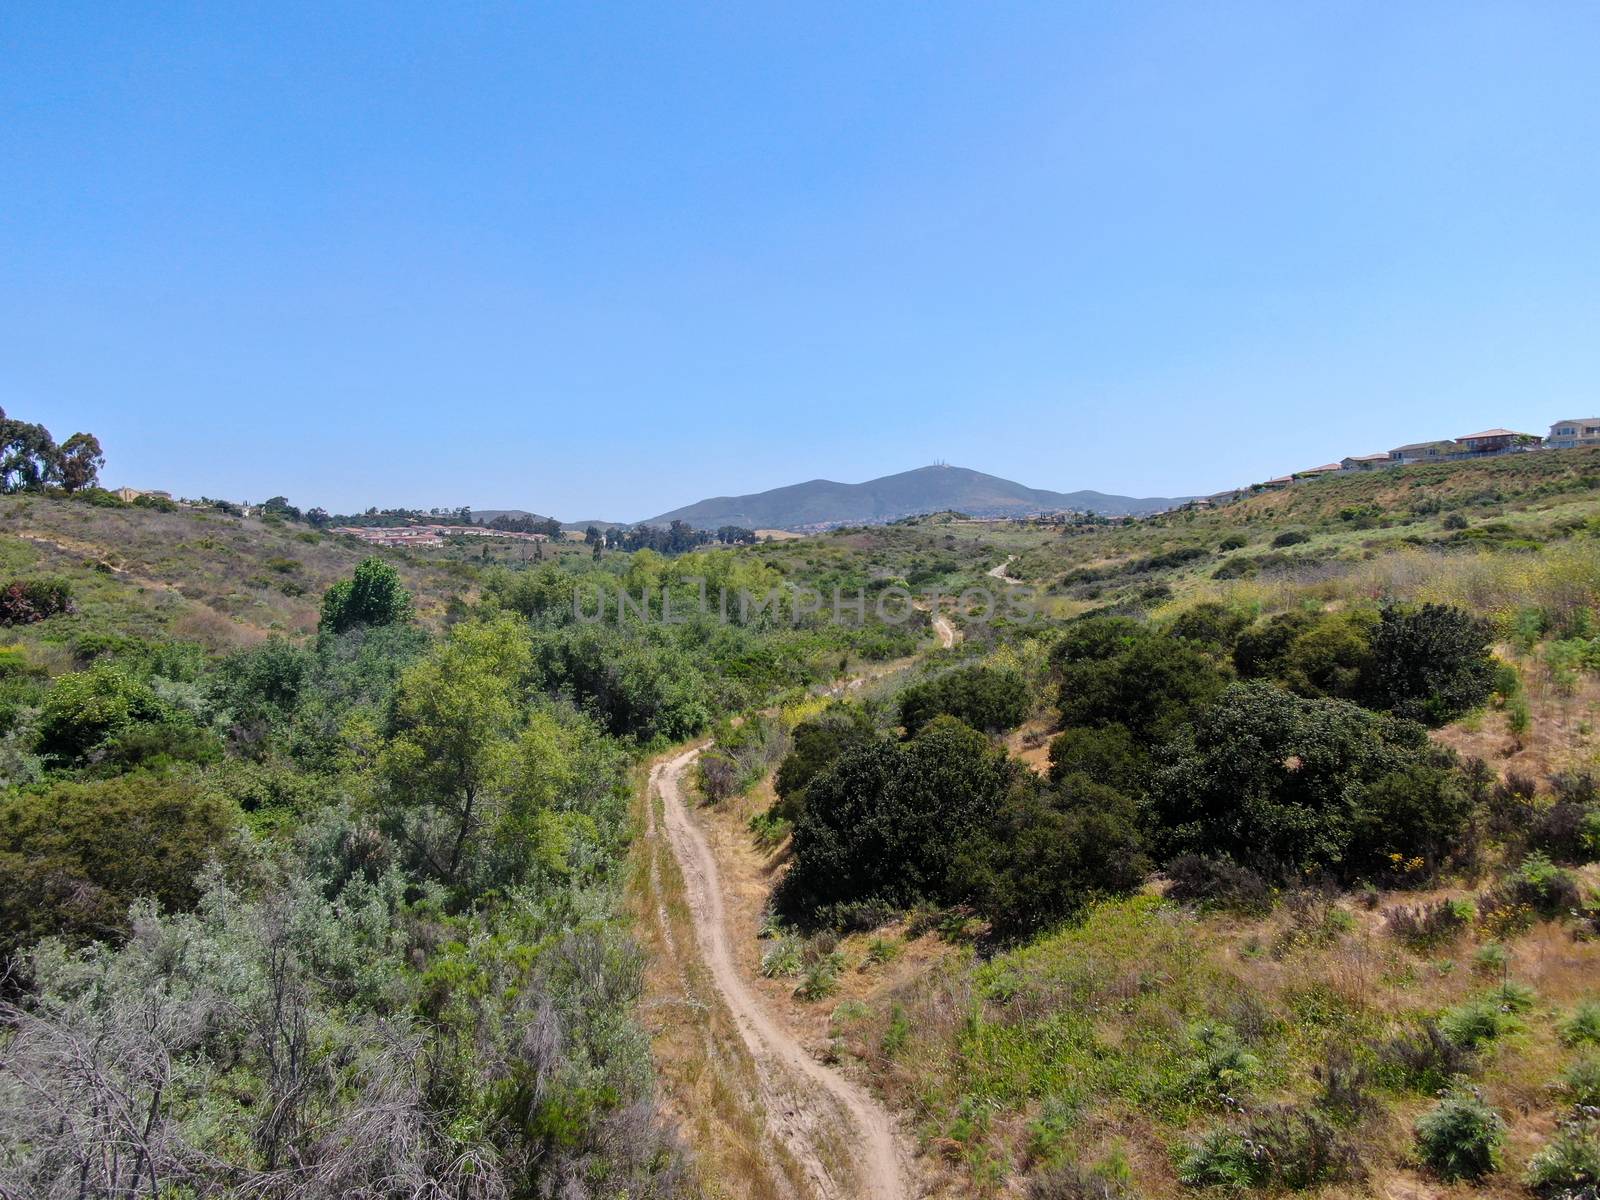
point(1000, 571)
point(945, 630)
point(813, 1107)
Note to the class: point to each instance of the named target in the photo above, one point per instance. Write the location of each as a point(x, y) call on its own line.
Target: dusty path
point(946, 631)
point(1000, 571)
point(822, 1116)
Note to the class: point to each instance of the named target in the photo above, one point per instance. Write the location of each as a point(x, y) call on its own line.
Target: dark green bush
point(1432, 664)
point(1290, 537)
point(1210, 626)
point(1287, 785)
point(815, 745)
point(1461, 1138)
point(1094, 639)
point(1153, 687)
point(1107, 754)
point(1044, 857)
point(889, 821)
point(77, 856)
point(981, 697)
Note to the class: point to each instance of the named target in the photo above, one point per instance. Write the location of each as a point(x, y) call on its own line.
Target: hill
point(200, 576)
point(823, 502)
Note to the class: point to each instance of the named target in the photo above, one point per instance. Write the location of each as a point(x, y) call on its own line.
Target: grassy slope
point(205, 577)
point(1076, 1047)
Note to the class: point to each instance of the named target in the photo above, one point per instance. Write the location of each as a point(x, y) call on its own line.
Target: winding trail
point(1000, 571)
point(843, 1139)
point(808, 1102)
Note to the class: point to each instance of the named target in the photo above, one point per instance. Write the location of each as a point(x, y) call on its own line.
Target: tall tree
point(29, 456)
point(80, 459)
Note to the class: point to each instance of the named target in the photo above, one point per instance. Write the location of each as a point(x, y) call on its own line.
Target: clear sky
point(599, 260)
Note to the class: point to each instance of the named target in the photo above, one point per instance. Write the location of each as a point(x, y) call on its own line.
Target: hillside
point(1219, 1021)
point(206, 577)
point(820, 502)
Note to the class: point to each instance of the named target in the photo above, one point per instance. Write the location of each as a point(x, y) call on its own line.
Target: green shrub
point(1211, 626)
point(1581, 1080)
point(86, 710)
point(815, 745)
point(882, 950)
point(1541, 886)
point(1153, 687)
point(1218, 1068)
point(1095, 639)
point(1287, 785)
point(981, 697)
point(1475, 1023)
point(76, 856)
point(1432, 664)
point(1568, 1168)
point(1044, 856)
point(1291, 537)
point(1461, 1138)
point(1107, 755)
point(1490, 959)
point(374, 595)
point(820, 980)
point(1283, 1147)
point(891, 821)
point(782, 958)
point(1582, 1028)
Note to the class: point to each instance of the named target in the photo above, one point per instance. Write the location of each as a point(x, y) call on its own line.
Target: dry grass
point(204, 577)
point(1001, 1039)
point(708, 1083)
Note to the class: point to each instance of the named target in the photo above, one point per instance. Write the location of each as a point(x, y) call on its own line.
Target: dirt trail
point(811, 1105)
point(1000, 571)
point(946, 631)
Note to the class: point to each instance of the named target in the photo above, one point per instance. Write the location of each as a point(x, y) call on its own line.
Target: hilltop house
point(1313, 472)
point(1365, 462)
point(1569, 435)
point(1497, 441)
point(1418, 452)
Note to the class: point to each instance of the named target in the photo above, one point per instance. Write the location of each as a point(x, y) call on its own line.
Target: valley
point(941, 906)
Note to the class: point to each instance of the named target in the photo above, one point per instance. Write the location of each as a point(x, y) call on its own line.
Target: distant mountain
point(822, 502)
point(489, 514)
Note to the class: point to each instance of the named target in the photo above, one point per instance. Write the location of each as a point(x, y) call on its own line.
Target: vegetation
point(1214, 872)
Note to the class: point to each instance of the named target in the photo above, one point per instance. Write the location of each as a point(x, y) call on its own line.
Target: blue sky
point(601, 260)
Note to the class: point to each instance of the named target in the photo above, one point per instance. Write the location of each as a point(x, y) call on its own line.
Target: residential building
point(1420, 452)
point(1313, 472)
point(128, 494)
point(1365, 462)
point(1569, 435)
point(1498, 441)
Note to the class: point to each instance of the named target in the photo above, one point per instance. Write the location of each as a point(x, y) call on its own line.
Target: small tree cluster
point(31, 461)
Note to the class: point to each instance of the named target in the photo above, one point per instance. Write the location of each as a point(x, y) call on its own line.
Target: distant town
point(432, 528)
point(1563, 435)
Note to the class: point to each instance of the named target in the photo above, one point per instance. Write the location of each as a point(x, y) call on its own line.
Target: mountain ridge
point(825, 502)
